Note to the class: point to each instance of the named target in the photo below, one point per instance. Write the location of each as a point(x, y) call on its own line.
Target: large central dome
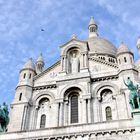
point(98, 45)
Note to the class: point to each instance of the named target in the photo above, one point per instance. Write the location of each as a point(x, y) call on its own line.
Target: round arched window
point(43, 121)
point(108, 112)
point(74, 109)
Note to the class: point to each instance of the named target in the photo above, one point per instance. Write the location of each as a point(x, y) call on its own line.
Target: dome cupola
point(92, 28)
point(123, 49)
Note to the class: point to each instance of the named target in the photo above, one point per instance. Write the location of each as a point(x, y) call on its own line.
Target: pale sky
point(21, 37)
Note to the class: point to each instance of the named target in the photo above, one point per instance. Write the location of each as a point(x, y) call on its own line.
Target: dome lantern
point(92, 28)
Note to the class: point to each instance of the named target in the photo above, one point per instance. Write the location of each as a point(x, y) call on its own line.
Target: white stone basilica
point(80, 97)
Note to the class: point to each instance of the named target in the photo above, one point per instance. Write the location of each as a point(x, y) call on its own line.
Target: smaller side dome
point(123, 49)
point(29, 65)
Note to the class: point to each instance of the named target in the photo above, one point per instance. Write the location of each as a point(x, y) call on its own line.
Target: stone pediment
point(73, 41)
point(82, 45)
point(50, 74)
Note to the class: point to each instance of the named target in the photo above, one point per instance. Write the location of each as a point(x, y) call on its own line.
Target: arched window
point(43, 121)
point(24, 75)
point(30, 76)
point(74, 109)
point(92, 29)
point(108, 113)
point(125, 59)
point(119, 61)
point(20, 96)
point(131, 59)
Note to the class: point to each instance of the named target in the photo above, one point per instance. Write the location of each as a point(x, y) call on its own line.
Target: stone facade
point(80, 97)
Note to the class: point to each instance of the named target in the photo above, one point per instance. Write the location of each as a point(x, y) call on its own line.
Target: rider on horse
point(134, 96)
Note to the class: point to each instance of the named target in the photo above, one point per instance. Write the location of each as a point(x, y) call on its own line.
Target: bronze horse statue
point(4, 118)
point(134, 96)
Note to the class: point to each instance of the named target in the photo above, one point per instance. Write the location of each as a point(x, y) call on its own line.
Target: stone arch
point(63, 91)
point(105, 95)
point(41, 95)
point(74, 45)
point(105, 85)
point(69, 92)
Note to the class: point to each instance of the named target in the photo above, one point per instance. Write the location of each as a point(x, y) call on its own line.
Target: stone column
point(86, 61)
point(63, 63)
point(23, 125)
point(32, 118)
point(84, 115)
point(61, 114)
point(66, 113)
point(57, 114)
point(96, 115)
point(89, 111)
point(35, 118)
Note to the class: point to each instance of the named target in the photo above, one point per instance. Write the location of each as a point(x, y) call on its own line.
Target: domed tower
point(21, 104)
point(27, 73)
point(125, 57)
point(39, 64)
point(92, 28)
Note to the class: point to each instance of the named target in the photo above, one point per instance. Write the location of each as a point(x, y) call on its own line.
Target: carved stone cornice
point(45, 87)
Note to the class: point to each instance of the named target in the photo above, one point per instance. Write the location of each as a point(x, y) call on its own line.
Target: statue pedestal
point(136, 123)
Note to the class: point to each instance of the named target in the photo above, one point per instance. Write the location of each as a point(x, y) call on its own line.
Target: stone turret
point(39, 64)
point(27, 73)
point(22, 98)
point(125, 57)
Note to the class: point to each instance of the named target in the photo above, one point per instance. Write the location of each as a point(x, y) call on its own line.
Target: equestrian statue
point(134, 96)
point(4, 118)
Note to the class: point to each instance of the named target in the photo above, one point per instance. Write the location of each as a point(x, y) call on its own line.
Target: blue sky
point(21, 37)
